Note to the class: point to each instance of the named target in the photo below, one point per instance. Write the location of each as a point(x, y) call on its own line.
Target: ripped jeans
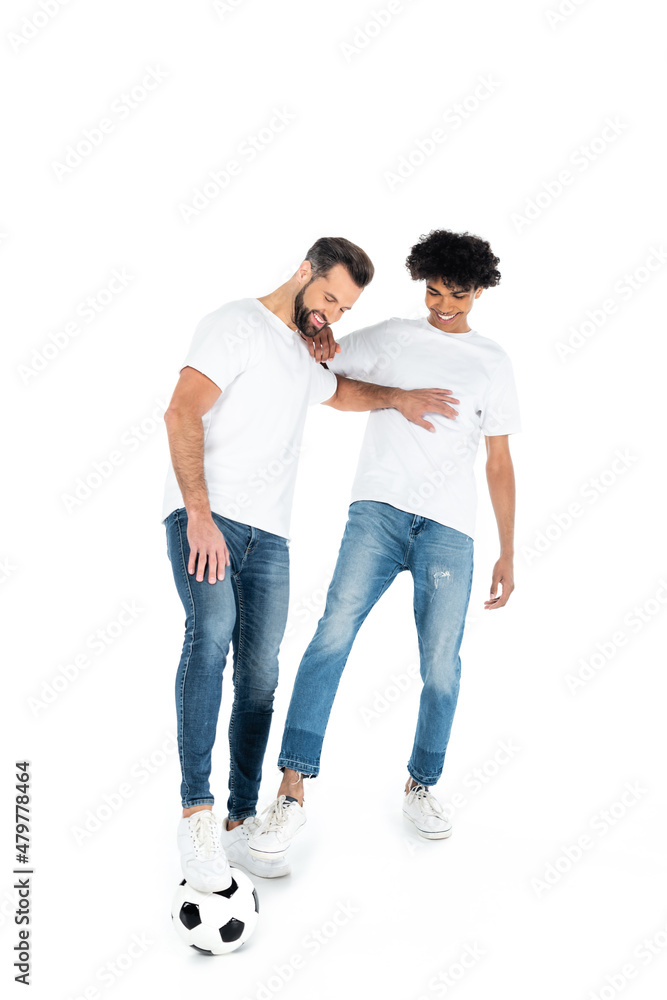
point(379, 542)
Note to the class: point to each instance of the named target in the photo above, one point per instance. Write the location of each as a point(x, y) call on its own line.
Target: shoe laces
point(276, 815)
point(428, 802)
point(250, 825)
point(204, 833)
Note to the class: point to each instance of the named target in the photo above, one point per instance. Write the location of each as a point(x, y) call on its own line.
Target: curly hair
point(459, 260)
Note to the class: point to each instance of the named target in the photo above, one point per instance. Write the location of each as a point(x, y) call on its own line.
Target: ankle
point(292, 792)
point(411, 783)
point(292, 785)
point(194, 809)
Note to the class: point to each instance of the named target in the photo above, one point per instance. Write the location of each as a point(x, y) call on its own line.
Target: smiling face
point(324, 299)
point(449, 305)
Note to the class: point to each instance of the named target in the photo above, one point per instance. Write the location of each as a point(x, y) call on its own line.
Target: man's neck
point(281, 304)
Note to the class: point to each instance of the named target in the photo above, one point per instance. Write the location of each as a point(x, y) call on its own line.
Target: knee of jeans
point(343, 614)
point(209, 635)
point(258, 697)
point(332, 638)
point(257, 681)
point(442, 678)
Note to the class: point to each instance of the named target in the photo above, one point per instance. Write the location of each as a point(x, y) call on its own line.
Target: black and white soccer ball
point(216, 922)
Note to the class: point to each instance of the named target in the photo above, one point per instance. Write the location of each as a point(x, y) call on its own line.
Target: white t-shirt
point(254, 429)
point(408, 466)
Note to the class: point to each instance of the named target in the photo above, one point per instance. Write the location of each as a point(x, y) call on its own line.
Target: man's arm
point(412, 403)
point(194, 396)
point(500, 477)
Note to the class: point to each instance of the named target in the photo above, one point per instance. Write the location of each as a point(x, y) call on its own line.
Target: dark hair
point(328, 251)
point(459, 260)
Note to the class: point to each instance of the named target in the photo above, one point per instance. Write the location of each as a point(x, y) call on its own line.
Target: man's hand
point(323, 345)
point(414, 403)
point(503, 574)
point(206, 543)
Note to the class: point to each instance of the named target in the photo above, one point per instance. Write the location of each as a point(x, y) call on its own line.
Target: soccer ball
point(216, 922)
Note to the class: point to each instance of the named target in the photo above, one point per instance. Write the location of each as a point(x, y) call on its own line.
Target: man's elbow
point(177, 414)
point(498, 466)
point(336, 401)
point(170, 415)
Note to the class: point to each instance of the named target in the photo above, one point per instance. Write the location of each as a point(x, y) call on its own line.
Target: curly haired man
point(413, 508)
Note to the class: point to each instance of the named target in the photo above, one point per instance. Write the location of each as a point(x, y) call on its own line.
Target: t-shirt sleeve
point(500, 413)
point(323, 384)
point(221, 347)
point(359, 353)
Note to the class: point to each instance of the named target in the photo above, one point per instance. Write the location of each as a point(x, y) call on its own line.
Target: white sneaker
point(284, 819)
point(203, 860)
point(424, 810)
point(235, 843)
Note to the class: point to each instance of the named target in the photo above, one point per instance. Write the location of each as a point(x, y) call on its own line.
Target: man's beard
point(301, 315)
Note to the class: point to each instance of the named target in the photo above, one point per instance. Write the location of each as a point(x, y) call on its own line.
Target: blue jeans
point(379, 542)
point(249, 609)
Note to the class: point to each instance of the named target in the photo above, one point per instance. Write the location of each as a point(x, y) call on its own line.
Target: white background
point(362, 98)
